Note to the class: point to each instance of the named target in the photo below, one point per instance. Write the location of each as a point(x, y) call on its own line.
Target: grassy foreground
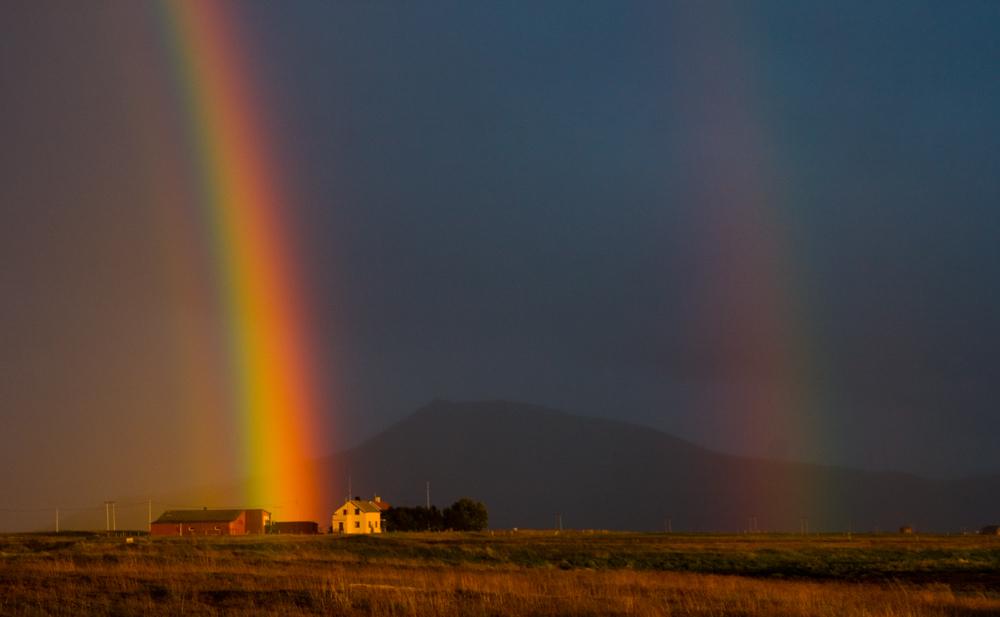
point(511, 573)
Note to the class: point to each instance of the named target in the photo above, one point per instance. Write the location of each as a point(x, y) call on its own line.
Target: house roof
point(381, 505)
point(199, 516)
point(364, 506)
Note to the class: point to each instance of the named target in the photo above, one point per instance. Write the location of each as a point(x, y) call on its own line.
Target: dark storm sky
point(509, 200)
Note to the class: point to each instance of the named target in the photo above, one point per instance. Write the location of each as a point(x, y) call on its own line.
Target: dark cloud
point(518, 201)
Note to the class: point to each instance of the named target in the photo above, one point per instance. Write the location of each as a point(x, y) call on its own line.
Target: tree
point(401, 518)
point(463, 515)
point(466, 515)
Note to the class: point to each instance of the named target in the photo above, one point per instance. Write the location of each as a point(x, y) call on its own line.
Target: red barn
point(210, 522)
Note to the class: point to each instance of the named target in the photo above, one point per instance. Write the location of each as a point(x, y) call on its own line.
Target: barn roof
point(199, 516)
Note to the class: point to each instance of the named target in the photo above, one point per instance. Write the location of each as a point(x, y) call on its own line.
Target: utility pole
point(428, 495)
point(107, 516)
point(753, 523)
point(666, 524)
point(559, 522)
point(114, 524)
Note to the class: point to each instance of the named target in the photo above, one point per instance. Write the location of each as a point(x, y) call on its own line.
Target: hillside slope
point(529, 463)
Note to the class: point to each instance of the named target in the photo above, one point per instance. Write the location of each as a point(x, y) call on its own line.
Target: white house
point(359, 516)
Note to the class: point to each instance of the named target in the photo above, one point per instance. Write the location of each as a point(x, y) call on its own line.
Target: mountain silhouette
point(529, 464)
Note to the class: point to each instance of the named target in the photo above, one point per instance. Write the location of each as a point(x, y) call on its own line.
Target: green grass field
point(501, 573)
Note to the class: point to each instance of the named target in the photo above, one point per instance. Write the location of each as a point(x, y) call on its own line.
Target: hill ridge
point(529, 463)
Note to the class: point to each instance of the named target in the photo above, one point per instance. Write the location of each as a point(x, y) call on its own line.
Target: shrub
point(466, 515)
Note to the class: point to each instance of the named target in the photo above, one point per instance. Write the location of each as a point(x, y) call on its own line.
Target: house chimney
point(377, 500)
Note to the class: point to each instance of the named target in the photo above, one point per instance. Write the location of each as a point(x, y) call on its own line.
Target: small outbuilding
point(207, 522)
point(294, 527)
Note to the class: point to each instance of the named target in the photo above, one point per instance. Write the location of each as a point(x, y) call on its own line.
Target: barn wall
point(255, 520)
point(192, 529)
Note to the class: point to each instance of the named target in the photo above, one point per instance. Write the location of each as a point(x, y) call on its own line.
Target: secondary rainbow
point(238, 187)
point(749, 314)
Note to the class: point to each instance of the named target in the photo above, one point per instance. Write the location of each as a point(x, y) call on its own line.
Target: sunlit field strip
point(419, 574)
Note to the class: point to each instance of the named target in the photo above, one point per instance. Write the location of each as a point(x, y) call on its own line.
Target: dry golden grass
point(330, 576)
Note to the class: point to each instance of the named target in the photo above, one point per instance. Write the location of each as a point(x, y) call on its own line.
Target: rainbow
point(751, 322)
point(237, 187)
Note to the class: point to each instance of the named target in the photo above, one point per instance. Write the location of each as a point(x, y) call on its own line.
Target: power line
point(242, 507)
point(110, 507)
point(54, 507)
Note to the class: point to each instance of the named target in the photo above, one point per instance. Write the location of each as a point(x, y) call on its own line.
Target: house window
point(345, 511)
point(357, 511)
point(190, 528)
point(357, 524)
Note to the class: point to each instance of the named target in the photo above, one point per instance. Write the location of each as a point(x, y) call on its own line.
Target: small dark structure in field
point(210, 522)
point(990, 530)
point(299, 527)
point(906, 530)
